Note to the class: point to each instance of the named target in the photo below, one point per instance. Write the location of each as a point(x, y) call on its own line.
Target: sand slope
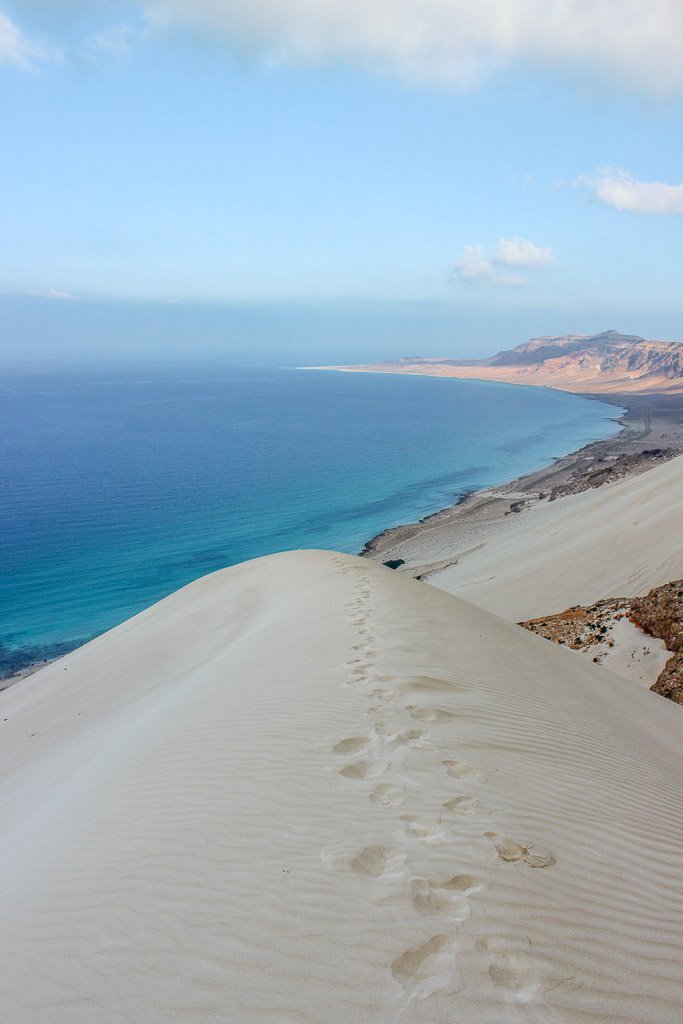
point(307, 789)
point(619, 540)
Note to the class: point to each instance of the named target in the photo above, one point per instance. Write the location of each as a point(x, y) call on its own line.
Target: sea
point(120, 484)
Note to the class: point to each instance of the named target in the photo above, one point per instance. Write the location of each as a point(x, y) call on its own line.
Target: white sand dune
point(619, 540)
point(632, 654)
point(307, 789)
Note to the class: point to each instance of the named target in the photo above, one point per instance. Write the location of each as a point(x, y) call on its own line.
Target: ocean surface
point(120, 485)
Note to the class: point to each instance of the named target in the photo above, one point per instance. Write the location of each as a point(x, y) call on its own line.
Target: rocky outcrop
point(660, 613)
point(609, 470)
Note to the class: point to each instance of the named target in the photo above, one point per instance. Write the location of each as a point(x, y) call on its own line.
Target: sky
point(380, 176)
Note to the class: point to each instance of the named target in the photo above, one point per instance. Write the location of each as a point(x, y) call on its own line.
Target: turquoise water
point(121, 485)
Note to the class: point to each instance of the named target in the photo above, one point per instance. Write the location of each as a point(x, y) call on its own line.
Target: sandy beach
point(307, 788)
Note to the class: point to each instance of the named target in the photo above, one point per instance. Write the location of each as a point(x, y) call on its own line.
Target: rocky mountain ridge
point(604, 362)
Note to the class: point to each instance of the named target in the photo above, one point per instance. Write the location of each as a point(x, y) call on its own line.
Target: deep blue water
point(119, 486)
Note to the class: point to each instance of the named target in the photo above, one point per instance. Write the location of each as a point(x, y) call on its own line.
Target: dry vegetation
point(658, 614)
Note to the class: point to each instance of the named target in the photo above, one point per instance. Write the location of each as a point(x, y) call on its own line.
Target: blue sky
point(193, 154)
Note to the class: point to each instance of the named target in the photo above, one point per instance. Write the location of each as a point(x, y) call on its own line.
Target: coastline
point(26, 671)
point(652, 431)
point(479, 513)
point(418, 474)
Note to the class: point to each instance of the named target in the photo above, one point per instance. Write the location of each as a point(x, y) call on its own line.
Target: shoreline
point(651, 432)
point(484, 510)
point(28, 670)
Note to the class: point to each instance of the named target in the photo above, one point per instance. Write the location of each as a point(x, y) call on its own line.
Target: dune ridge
point(309, 789)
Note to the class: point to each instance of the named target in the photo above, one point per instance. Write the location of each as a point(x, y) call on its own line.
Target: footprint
point(436, 897)
point(436, 715)
point(513, 850)
point(462, 883)
point(352, 745)
point(539, 856)
point(373, 861)
point(508, 849)
point(427, 968)
point(428, 898)
point(460, 805)
point(421, 683)
point(387, 795)
point(421, 830)
point(458, 769)
point(407, 738)
point(516, 975)
point(364, 769)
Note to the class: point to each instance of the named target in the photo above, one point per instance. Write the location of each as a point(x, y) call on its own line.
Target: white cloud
point(452, 42)
point(456, 42)
point(116, 42)
point(17, 50)
point(475, 265)
point(621, 190)
point(52, 293)
point(520, 252)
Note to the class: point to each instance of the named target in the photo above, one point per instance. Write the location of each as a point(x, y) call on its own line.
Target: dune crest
point(309, 789)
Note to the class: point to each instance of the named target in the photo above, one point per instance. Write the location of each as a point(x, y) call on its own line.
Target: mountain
point(596, 363)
